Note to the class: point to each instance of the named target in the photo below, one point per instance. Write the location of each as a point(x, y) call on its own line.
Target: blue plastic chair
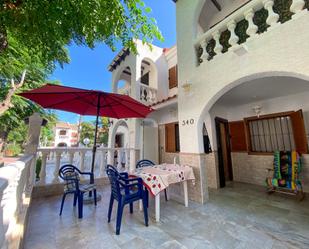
point(70, 174)
point(125, 190)
point(146, 163)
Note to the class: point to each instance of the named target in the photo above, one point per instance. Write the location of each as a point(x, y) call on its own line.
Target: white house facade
point(66, 135)
point(241, 92)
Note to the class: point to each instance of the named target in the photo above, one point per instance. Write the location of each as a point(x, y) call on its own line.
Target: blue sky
point(88, 67)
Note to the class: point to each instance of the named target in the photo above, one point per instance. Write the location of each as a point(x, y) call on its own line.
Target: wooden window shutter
point(170, 138)
point(238, 136)
point(172, 77)
point(299, 132)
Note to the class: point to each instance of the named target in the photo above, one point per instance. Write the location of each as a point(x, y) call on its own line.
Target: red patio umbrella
point(87, 102)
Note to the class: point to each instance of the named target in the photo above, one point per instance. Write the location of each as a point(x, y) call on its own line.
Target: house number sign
point(188, 122)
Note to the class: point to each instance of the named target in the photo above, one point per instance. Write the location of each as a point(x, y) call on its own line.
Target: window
point(282, 131)
point(172, 77)
point(145, 79)
point(172, 143)
point(62, 132)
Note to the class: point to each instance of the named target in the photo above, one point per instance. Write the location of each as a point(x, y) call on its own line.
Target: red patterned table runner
point(158, 177)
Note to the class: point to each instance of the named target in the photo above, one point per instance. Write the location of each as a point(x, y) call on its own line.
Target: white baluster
point(297, 6)
point(252, 28)
point(233, 38)
point(119, 159)
point(103, 163)
point(57, 166)
point(82, 160)
point(273, 17)
point(71, 156)
point(43, 167)
point(148, 94)
point(218, 48)
point(205, 54)
point(127, 157)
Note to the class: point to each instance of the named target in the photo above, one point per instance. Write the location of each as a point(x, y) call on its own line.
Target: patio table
point(158, 177)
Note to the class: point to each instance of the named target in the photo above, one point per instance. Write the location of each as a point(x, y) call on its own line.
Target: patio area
point(238, 216)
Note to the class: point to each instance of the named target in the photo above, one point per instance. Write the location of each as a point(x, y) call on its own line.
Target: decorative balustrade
point(81, 157)
point(148, 95)
point(251, 20)
point(16, 184)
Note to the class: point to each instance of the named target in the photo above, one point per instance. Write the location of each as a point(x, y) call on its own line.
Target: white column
point(273, 17)
point(127, 159)
point(82, 160)
point(43, 167)
point(297, 6)
point(57, 166)
point(218, 48)
point(103, 162)
point(119, 157)
point(33, 138)
point(205, 54)
point(71, 156)
point(233, 38)
point(252, 28)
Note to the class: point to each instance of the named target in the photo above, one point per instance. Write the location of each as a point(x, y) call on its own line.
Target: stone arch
point(227, 87)
point(118, 76)
point(112, 133)
point(153, 77)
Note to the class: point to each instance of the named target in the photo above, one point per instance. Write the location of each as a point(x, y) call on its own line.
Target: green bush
point(38, 167)
point(12, 150)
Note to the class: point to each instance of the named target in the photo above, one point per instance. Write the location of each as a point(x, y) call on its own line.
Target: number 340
point(188, 122)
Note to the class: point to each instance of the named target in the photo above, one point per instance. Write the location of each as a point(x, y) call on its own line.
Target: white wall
point(281, 104)
point(210, 15)
point(165, 115)
point(150, 144)
point(281, 51)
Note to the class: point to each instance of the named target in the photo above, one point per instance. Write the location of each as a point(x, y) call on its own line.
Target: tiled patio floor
point(238, 216)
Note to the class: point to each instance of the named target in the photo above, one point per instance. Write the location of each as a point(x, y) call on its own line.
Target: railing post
point(297, 6)
point(82, 160)
point(252, 28)
point(218, 48)
point(273, 17)
point(57, 166)
point(71, 156)
point(119, 159)
point(43, 167)
point(103, 163)
point(233, 38)
point(205, 54)
point(127, 157)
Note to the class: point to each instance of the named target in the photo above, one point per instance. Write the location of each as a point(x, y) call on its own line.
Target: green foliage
point(13, 149)
point(259, 20)
point(240, 31)
point(224, 40)
point(210, 48)
point(87, 131)
point(48, 26)
point(282, 8)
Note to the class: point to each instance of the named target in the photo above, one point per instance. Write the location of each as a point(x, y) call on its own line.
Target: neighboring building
point(239, 80)
point(66, 134)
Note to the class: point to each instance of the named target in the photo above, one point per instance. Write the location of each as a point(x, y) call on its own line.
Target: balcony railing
point(251, 20)
point(53, 157)
point(148, 95)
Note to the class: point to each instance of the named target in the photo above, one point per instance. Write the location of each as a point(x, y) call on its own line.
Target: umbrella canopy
point(87, 102)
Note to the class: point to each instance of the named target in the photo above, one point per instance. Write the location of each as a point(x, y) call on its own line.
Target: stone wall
point(198, 190)
point(253, 168)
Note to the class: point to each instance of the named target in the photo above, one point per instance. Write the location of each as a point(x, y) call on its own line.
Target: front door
point(224, 152)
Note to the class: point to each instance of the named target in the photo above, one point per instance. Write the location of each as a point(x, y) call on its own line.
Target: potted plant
point(12, 150)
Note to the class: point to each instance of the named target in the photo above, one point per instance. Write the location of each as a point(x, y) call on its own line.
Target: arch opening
point(256, 115)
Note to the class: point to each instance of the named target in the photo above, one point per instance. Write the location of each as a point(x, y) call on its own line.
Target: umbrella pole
point(95, 138)
point(89, 198)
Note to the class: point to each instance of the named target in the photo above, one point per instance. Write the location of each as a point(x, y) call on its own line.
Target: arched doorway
point(250, 119)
